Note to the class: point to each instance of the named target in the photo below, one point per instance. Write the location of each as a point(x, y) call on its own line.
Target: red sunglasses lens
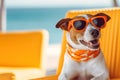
point(79, 24)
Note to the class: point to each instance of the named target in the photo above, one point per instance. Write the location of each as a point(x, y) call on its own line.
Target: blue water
point(37, 18)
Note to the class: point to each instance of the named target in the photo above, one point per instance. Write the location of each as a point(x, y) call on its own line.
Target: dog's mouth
point(94, 44)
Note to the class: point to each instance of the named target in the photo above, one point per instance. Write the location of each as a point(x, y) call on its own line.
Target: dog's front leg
point(63, 74)
point(98, 69)
point(62, 77)
point(70, 69)
point(103, 76)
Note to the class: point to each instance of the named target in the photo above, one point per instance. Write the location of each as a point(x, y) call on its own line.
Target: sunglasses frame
point(70, 24)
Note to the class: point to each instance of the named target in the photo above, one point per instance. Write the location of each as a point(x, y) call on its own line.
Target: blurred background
point(44, 14)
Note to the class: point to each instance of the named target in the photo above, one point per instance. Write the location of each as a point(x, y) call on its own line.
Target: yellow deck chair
point(22, 54)
point(110, 42)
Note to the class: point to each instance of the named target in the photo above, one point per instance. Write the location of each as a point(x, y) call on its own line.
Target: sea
point(38, 18)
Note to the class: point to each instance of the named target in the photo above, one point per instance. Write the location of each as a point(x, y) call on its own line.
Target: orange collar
point(82, 55)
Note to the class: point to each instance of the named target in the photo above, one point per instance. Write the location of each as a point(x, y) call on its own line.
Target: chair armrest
point(7, 76)
point(115, 79)
point(55, 77)
point(52, 77)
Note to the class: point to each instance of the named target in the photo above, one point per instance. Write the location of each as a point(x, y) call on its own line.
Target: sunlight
point(56, 3)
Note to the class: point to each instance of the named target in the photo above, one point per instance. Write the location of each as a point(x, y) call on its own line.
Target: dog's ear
point(103, 14)
point(63, 24)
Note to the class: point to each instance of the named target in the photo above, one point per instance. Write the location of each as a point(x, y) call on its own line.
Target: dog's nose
point(94, 33)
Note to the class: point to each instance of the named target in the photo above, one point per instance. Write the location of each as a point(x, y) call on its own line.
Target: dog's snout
point(94, 33)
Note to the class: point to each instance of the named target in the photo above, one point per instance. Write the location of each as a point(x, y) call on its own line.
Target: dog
point(83, 59)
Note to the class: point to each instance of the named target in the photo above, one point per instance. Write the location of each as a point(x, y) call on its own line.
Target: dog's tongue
point(84, 42)
point(91, 43)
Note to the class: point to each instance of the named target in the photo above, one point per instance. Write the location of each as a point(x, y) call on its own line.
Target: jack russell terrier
point(83, 59)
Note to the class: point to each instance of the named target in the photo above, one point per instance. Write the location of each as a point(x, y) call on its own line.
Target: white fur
point(75, 45)
point(94, 69)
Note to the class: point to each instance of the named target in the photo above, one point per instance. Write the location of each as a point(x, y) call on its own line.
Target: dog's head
point(85, 29)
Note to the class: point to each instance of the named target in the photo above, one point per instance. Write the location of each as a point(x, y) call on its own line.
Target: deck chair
point(110, 42)
point(22, 54)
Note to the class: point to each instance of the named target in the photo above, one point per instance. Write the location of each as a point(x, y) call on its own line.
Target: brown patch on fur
point(89, 15)
point(73, 34)
point(63, 24)
point(103, 14)
point(78, 17)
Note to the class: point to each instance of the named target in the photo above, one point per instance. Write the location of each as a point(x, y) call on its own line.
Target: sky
point(56, 3)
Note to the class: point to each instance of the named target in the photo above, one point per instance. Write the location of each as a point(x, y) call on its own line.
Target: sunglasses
point(80, 24)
